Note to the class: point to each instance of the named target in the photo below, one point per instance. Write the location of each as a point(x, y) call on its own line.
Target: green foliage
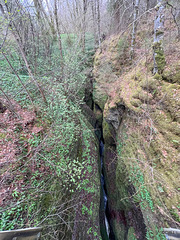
point(157, 235)
point(11, 218)
point(94, 233)
point(2, 135)
point(59, 165)
point(136, 177)
point(142, 195)
point(87, 210)
point(35, 140)
point(20, 212)
point(175, 215)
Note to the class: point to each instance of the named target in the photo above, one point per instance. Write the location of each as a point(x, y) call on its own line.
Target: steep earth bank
point(49, 174)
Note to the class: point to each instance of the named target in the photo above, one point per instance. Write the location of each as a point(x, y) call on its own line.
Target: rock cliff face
point(139, 116)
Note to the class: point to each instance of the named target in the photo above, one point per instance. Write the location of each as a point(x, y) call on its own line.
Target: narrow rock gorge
point(90, 119)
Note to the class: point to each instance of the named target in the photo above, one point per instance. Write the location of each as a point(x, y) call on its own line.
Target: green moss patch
point(159, 57)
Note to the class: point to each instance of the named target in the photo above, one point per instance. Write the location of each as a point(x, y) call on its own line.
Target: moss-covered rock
point(159, 56)
point(146, 141)
point(172, 75)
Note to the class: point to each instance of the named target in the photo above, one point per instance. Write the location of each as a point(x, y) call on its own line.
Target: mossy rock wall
point(142, 153)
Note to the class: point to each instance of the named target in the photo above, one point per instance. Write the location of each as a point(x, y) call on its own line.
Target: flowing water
point(104, 193)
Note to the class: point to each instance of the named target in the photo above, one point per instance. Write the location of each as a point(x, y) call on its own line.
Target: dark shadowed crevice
point(126, 217)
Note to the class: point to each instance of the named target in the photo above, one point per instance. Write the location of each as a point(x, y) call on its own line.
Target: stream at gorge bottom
point(106, 229)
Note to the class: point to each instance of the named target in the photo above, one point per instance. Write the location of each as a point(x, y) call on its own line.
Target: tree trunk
point(136, 12)
point(176, 17)
point(117, 16)
point(93, 8)
point(99, 22)
point(84, 25)
point(17, 37)
point(179, 33)
point(158, 56)
point(51, 22)
point(177, 22)
point(147, 5)
point(34, 45)
point(37, 7)
point(59, 37)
